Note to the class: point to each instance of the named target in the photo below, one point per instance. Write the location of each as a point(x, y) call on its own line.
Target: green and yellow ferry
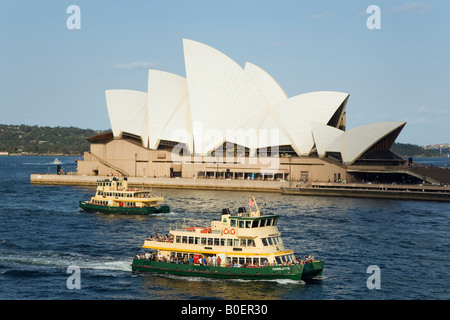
point(246, 245)
point(114, 196)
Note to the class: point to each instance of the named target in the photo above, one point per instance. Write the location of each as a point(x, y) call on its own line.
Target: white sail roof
point(324, 136)
point(168, 106)
point(127, 111)
point(354, 142)
point(221, 95)
point(220, 101)
point(297, 114)
point(270, 89)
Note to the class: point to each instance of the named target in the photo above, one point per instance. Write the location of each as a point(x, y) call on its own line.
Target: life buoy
point(225, 231)
point(233, 231)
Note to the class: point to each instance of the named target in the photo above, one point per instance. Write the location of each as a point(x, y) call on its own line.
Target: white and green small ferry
point(246, 245)
point(115, 196)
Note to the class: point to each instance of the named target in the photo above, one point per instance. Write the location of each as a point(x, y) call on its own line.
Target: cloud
point(320, 15)
point(426, 110)
point(410, 7)
point(428, 116)
point(134, 65)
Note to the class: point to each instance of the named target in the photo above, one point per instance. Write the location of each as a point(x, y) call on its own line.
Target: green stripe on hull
point(293, 272)
point(86, 206)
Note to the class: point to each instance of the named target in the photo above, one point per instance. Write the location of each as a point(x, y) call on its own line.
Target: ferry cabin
point(243, 239)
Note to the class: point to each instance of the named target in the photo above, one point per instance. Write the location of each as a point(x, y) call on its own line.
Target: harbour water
point(43, 234)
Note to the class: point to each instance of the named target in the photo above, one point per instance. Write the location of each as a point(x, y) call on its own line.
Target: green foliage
point(413, 150)
point(18, 139)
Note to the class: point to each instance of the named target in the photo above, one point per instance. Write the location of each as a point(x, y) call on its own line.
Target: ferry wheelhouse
point(114, 196)
point(246, 245)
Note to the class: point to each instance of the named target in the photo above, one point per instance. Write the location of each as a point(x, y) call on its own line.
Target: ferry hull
point(293, 272)
point(312, 269)
point(86, 206)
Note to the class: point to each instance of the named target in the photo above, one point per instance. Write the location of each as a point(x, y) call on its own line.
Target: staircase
point(109, 165)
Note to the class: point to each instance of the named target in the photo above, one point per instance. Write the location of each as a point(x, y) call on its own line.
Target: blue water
point(43, 232)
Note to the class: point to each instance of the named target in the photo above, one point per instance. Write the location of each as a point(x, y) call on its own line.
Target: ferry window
point(269, 222)
point(241, 260)
point(236, 242)
point(263, 223)
point(191, 240)
point(210, 241)
point(255, 261)
point(274, 240)
point(255, 223)
point(184, 239)
point(248, 260)
point(264, 241)
point(275, 221)
point(197, 240)
point(243, 242)
point(203, 241)
point(278, 259)
point(250, 242)
point(248, 224)
point(232, 223)
point(222, 242)
point(230, 242)
point(263, 261)
point(270, 241)
point(241, 224)
point(235, 259)
point(178, 239)
point(216, 241)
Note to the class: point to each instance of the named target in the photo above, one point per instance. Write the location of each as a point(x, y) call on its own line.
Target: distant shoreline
point(43, 155)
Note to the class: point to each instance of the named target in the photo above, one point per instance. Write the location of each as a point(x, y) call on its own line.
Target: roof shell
point(354, 142)
point(297, 114)
point(127, 112)
point(168, 108)
point(221, 95)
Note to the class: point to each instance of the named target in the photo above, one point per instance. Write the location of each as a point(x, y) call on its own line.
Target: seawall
point(362, 190)
point(171, 183)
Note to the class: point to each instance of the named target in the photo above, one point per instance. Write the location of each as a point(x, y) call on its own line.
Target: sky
point(51, 75)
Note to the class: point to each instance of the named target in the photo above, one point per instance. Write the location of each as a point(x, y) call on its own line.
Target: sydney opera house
point(225, 121)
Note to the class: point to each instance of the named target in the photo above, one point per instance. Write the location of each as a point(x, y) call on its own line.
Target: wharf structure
point(223, 123)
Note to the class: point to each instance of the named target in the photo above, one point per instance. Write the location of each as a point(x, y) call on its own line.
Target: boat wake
point(54, 260)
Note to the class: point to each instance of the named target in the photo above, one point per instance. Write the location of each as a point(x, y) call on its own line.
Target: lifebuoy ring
point(225, 231)
point(233, 231)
